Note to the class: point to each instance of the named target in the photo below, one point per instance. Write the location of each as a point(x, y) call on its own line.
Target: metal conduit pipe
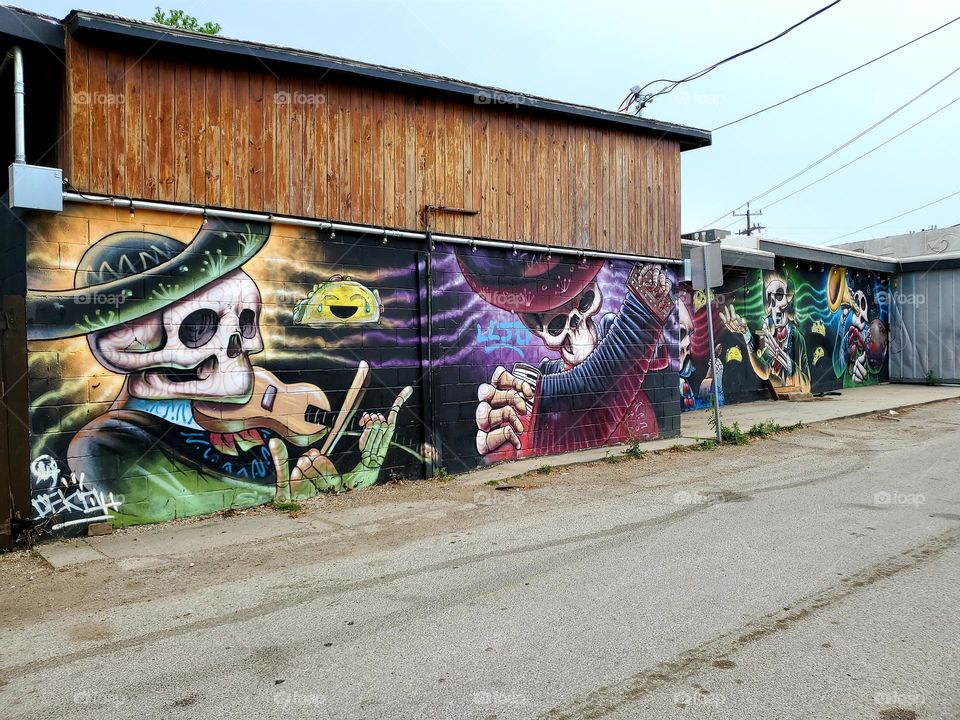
point(19, 127)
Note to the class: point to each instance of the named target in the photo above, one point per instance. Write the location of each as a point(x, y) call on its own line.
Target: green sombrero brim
point(219, 248)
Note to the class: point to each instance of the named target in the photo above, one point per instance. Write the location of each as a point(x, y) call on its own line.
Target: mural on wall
point(778, 354)
point(694, 353)
point(589, 334)
point(801, 328)
point(199, 422)
point(179, 368)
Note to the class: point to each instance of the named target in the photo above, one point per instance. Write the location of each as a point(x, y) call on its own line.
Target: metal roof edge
point(732, 256)
point(833, 256)
point(32, 26)
point(79, 21)
point(943, 261)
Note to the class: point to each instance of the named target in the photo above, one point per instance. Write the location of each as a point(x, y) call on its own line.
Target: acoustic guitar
point(298, 412)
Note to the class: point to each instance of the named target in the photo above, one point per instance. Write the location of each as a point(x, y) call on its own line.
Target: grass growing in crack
point(440, 473)
point(545, 469)
point(733, 435)
point(613, 459)
point(768, 428)
point(635, 451)
point(287, 506)
point(493, 483)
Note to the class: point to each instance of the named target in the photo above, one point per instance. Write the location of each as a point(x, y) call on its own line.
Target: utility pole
point(750, 228)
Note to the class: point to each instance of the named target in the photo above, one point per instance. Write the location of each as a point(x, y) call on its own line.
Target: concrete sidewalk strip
point(149, 546)
point(850, 403)
point(66, 553)
point(695, 425)
point(513, 468)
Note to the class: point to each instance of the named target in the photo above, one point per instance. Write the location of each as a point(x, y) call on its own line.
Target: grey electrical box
point(36, 187)
point(706, 266)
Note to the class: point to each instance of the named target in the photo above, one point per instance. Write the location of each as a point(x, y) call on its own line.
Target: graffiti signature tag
point(69, 495)
point(510, 335)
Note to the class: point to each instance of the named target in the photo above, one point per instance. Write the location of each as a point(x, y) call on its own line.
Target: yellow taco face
point(734, 355)
point(338, 301)
point(817, 355)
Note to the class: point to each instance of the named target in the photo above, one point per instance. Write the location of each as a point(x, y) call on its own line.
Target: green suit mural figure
point(779, 354)
point(197, 427)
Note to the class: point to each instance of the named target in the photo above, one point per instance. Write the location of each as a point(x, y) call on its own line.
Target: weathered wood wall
point(161, 128)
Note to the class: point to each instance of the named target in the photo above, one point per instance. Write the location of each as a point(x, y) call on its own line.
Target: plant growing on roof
point(180, 20)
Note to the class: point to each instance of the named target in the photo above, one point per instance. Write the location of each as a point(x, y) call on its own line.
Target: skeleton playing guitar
point(299, 412)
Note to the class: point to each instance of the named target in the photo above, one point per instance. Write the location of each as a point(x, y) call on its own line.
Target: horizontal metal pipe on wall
point(122, 202)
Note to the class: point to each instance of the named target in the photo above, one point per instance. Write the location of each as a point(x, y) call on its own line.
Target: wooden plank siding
point(300, 145)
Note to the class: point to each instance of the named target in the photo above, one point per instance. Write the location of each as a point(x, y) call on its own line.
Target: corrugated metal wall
point(925, 329)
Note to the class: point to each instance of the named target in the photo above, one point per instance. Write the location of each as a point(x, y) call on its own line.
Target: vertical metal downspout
point(20, 155)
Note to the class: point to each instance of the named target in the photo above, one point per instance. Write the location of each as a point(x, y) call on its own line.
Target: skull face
point(859, 308)
point(686, 341)
point(569, 329)
point(198, 348)
point(777, 302)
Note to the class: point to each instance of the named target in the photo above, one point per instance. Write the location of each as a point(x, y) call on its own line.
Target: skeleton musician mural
point(586, 385)
point(807, 330)
point(196, 426)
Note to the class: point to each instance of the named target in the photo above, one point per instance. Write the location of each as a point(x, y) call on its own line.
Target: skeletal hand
point(502, 401)
point(314, 472)
point(718, 371)
point(653, 286)
point(733, 322)
point(377, 432)
point(859, 369)
point(776, 351)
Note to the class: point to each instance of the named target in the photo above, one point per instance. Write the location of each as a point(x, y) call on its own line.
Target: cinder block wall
point(178, 367)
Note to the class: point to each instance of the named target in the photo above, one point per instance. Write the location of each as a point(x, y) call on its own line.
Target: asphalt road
point(815, 574)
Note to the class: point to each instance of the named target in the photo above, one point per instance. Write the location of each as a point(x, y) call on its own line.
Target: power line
point(860, 157)
point(895, 217)
point(839, 147)
point(636, 93)
point(841, 75)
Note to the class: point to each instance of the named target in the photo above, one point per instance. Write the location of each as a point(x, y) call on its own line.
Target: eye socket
point(534, 321)
point(779, 295)
point(683, 334)
point(557, 325)
point(586, 302)
point(248, 323)
point(199, 327)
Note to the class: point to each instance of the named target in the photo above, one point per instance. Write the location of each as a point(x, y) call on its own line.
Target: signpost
point(706, 270)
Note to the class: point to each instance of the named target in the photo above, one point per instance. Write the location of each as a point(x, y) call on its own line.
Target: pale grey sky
point(593, 52)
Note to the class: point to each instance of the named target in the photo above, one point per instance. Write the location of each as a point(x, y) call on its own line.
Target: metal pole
point(713, 363)
point(20, 154)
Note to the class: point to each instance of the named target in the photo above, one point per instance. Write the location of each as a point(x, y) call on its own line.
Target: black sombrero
point(126, 275)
